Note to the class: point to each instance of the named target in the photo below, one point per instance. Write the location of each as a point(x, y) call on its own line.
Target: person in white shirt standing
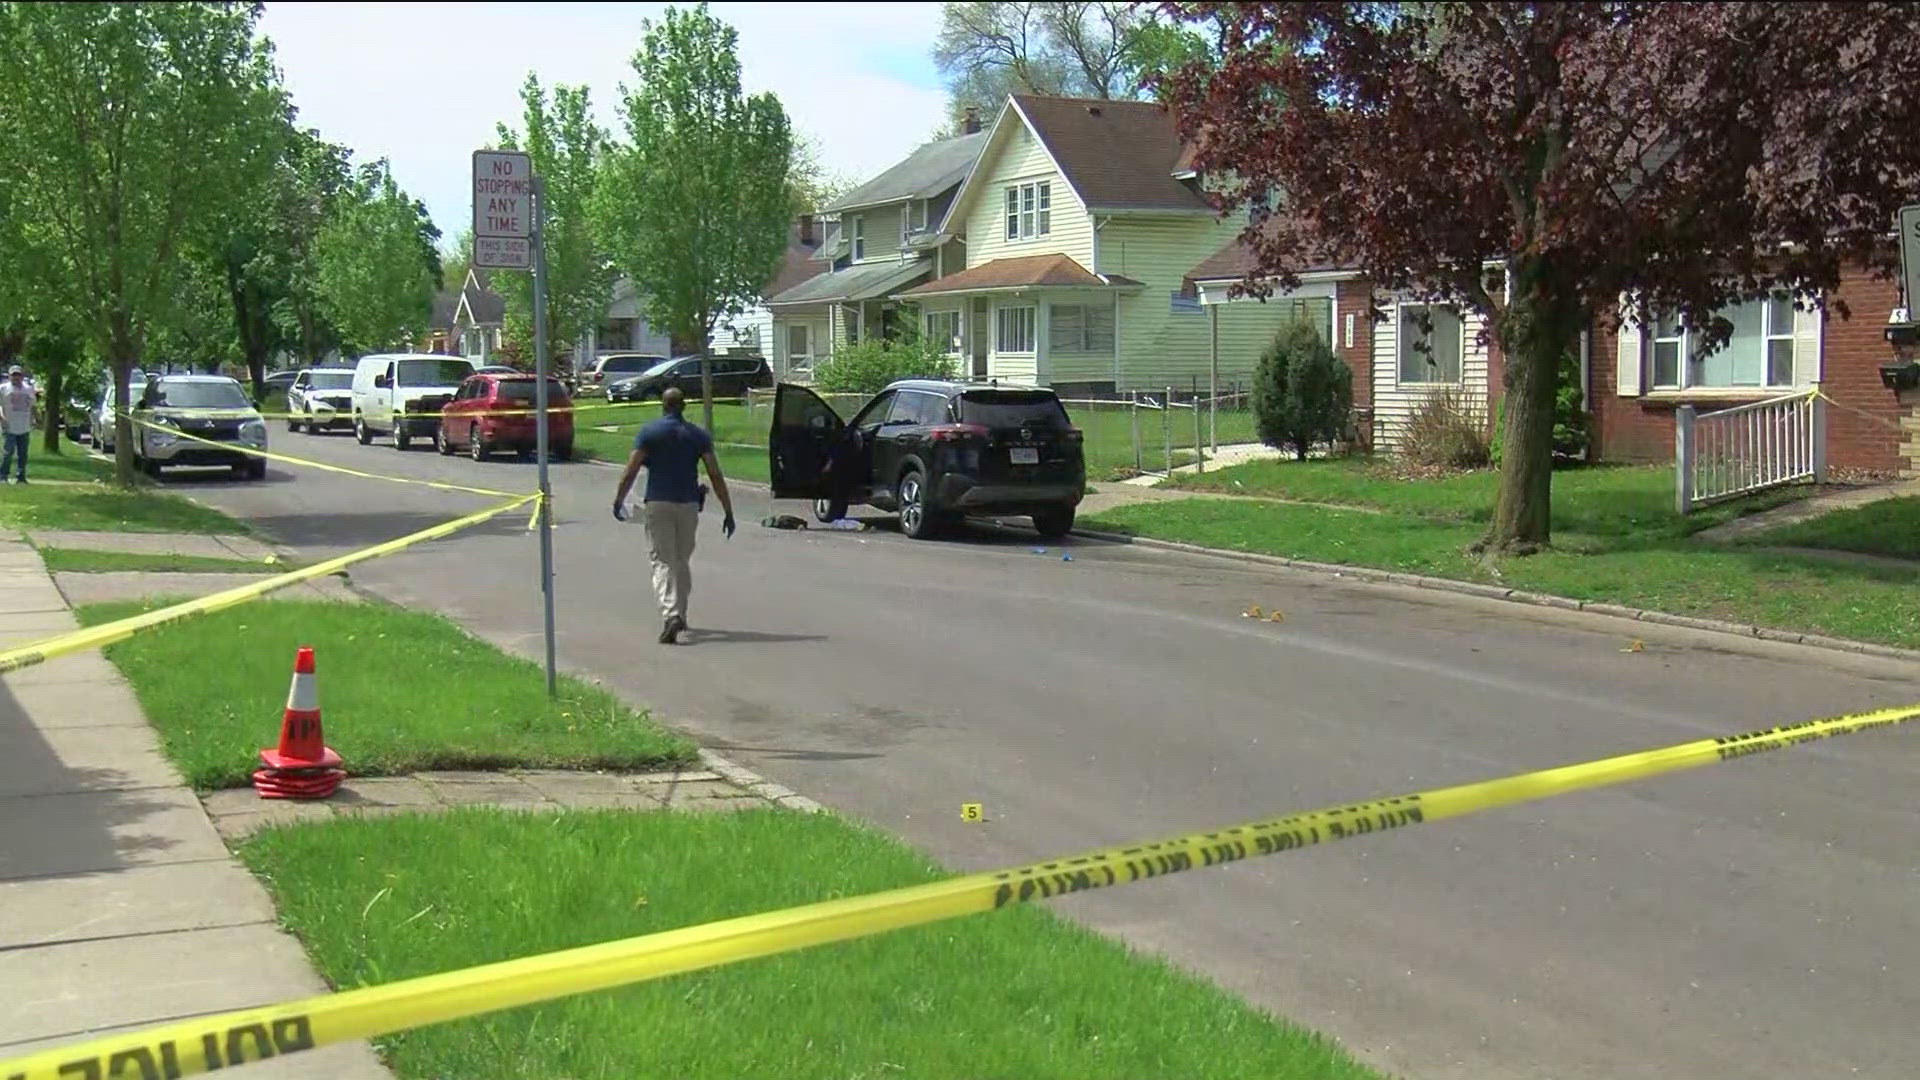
point(16, 421)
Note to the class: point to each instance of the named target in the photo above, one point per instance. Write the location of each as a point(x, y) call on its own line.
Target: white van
point(400, 394)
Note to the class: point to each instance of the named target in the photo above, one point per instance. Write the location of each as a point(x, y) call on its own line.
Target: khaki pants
point(670, 529)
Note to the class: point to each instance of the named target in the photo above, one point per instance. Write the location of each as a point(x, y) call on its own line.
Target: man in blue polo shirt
point(672, 449)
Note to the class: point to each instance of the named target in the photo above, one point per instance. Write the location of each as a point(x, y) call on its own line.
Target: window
point(1015, 325)
point(857, 233)
point(1431, 338)
point(915, 407)
point(853, 325)
point(943, 329)
point(1759, 354)
point(1080, 328)
point(875, 411)
point(1029, 210)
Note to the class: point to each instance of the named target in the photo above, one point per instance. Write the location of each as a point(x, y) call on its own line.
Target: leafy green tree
point(1302, 392)
point(1093, 48)
point(375, 285)
point(128, 126)
point(696, 204)
point(565, 145)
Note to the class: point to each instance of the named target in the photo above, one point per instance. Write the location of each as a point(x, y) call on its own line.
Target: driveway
point(1759, 918)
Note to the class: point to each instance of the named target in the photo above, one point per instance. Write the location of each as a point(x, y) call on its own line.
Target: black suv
point(733, 376)
point(932, 452)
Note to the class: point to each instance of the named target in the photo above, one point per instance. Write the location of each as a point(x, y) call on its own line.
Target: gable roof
point(928, 171)
point(1235, 260)
point(1118, 155)
point(798, 264)
point(862, 282)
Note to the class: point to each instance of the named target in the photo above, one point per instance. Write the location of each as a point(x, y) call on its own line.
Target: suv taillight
point(1071, 436)
point(956, 432)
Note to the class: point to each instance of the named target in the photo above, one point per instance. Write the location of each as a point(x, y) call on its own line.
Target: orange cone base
point(274, 759)
point(273, 784)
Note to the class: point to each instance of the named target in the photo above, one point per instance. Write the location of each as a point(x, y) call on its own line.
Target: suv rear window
point(1012, 409)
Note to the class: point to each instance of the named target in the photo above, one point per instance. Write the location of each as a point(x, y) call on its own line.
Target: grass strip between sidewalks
point(1613, 543)
point(107, 509)
point(87, 561)
point(70, 462)
point(1012, 993)
point(400, 691)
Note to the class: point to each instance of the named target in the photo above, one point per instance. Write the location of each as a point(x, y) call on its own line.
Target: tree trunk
point(123, 432)
point(1535, 333)
point(56, 407)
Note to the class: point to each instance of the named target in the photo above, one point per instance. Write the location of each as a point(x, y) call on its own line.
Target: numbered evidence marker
point(970, 811)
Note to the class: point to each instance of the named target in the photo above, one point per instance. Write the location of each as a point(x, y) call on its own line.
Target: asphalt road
point(1757, 918)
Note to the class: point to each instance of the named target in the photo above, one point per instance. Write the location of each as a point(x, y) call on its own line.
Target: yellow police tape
point(95, 637)
point(233, 1038)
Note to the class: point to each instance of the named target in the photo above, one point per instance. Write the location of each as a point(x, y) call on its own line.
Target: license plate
point(1024, 455)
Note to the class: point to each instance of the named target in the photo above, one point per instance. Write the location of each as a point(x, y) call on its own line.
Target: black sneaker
point(670, 631)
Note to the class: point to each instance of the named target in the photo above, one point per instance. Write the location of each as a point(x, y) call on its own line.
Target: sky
point(424, 84)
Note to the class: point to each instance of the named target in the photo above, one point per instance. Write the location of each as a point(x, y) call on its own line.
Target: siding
point(1022, 157)
point(1393, 405)
point(880, 232)
point(751, 331)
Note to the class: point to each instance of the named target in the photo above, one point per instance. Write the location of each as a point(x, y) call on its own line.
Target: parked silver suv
point(200, 420)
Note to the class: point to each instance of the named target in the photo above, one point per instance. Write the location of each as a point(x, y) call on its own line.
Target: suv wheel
point(293, 421)
point(829, 510)
point(360, 432)
point(916, 521)
point(476, 446)
point(402, 438)
point(1054, 522)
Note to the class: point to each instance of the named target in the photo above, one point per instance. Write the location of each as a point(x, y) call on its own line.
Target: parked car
point(280, 380)
point(320, 399)
point(933, 452)
point(100, 425)
point(615, 365)
point(733, 376)
point(400, 394)
point(499, 412)
point(497, 369)
point(213, 409)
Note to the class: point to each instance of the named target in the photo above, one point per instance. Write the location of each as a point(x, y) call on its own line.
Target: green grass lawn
point(401, 691)
point(1616, 539)
point(106, 509)
point(72, 462)
point(1012, 993)
point(83, 561)
point(1889, 527)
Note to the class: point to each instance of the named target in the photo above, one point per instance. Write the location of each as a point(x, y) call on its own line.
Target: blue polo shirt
point(674, 448)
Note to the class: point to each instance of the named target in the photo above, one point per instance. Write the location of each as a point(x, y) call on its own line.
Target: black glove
point(726, 527)
point(619, 511)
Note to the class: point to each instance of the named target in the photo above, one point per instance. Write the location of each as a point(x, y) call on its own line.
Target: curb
point(741, 776)
point(1519, 596)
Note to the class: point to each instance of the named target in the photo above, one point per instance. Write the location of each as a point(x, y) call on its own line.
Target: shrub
point(1302, 392)
point(866, 367)
point(1446, 432)
point(1572, 425)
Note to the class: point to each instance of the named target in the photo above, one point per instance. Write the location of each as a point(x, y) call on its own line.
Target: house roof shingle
point(1026, 272)
point(1119, 155)
point(926, 172)
point(1235, 260)
point(862, 282)
point(798, 264)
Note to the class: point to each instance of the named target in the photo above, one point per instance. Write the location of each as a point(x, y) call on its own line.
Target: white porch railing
point(1748, 448)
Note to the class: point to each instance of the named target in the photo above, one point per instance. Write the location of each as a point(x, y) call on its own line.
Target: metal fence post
point(1683, 451)
point(1166, 429)
point(1199, 447)
point(1133, 411)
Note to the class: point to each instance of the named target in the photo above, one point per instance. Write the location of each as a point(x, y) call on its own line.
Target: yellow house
point(1082, 227)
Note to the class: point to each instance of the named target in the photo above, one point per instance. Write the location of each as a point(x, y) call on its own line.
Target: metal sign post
point(509, 223)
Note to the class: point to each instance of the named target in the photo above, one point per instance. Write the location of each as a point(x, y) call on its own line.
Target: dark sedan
point(733, 376)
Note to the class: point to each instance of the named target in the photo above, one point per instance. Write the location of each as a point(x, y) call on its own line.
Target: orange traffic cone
point(302, 766)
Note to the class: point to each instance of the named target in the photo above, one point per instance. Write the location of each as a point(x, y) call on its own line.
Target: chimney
point(806, 229)
point(970, 121)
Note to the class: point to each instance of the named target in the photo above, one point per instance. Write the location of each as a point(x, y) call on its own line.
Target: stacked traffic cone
point(302, 766)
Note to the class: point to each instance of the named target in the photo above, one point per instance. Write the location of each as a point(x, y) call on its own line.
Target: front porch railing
point(1748, 448)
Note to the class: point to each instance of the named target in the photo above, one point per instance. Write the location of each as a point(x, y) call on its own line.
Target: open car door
point(800, 446)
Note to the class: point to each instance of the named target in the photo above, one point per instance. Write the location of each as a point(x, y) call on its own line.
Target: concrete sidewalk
point(122, 906)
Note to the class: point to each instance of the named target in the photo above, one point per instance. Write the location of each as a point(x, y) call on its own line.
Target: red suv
point(496, 412)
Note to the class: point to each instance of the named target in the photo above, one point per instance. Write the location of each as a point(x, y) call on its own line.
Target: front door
point(799, 348)
point(799, 447)
point(977, 337)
